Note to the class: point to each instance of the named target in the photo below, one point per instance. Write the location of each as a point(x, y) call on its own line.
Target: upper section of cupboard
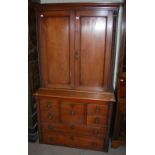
point(76, 46)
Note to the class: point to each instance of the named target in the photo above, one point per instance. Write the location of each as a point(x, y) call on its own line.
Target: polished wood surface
point(72, 113)
point(92, 32)
point(74, 141)
point(95, 109)
point(79, 118)
point(56, 42)
point(57, 30)
point(71, 94)
point(76, 57)
point(97, 120)
point(66, 58)
point(73, 129)
point(49, 104)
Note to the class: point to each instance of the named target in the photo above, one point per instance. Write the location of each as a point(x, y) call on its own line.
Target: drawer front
point(97, 121)
point(72, 113)
point(47, 116)
point(74, 141)
point(95, 109)
point(49, 104)
point(73, 129)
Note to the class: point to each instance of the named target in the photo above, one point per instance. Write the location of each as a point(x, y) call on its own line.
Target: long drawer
point(74, 141)
point(73, 129)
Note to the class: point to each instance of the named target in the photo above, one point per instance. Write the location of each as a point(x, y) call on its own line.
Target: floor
point(43, 149)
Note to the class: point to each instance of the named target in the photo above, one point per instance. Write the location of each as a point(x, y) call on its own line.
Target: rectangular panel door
point(56, 49)
point(93, 49)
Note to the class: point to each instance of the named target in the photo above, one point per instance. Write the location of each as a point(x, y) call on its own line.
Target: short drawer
point(74, 141)
point(74, 129)
point(97, 121)
point(49, 104)
point(47, 116)
point(95, 109)
point(72, 113)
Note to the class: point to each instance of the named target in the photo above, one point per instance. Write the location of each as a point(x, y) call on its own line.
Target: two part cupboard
point(76, 44)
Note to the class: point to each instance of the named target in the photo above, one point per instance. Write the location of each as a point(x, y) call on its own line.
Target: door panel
point(93, 47)
point(58, 50)
point(57, 54)
point(92, 50)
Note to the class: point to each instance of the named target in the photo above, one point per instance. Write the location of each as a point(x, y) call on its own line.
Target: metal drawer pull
point(97, 120)
point(49, 104)
point(97, 109)
point(49, 116)
point(72, 113)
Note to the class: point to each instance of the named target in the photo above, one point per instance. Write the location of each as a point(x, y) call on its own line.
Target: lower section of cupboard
point(73, 141)
point(75, 119)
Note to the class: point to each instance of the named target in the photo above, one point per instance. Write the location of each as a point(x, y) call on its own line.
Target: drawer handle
point(97, 120)
point(49, 116)
point(50, 127)
point(72, 137)
point(49, 104)
point(72, 113)
point(95, 132)
point(97, 109)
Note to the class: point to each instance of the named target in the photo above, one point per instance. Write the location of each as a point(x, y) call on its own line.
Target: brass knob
point(49, 116)
point(97, 120)
point(49, 104)
point(72, 113)
point(97, 109)
point(49, 127)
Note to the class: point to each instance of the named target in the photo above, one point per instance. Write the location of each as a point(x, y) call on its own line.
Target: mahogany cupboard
point(76, 59)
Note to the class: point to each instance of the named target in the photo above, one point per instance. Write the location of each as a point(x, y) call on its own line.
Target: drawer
point(95, 109)
point(73, 129)
point(73, 141)
point(49, 104)
point(72, 113)
point(47, 116)
point(97, 121)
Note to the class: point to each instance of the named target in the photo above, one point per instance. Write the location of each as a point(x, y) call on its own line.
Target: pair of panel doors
point(76, 49)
